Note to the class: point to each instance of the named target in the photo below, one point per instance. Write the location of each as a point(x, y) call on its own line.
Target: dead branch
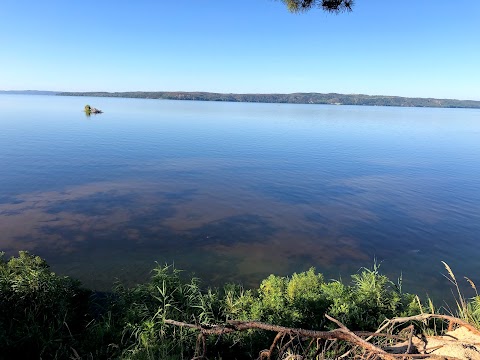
point(371, 334)
point(272, 347)
point(286, 345)
point(410, 336)
point(424, 356)
point(342, 333)
point(423, 317)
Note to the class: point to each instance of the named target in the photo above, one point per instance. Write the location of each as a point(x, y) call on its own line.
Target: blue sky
point(391, 47)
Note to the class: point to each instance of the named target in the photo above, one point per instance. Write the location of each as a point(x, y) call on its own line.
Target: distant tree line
point(295, 98)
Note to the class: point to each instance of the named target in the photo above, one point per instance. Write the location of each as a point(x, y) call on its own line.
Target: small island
point(91, 110)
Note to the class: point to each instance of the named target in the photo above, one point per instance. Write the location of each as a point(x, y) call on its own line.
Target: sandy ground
point(460, 343)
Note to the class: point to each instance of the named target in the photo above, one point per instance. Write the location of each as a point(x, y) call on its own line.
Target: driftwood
point(342, 333)
point(423, 317)
point(286, 336)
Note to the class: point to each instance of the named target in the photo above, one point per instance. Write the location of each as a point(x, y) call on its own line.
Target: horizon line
point(236, 93)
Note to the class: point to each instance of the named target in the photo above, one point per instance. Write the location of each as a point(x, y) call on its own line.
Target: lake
point(237, 191)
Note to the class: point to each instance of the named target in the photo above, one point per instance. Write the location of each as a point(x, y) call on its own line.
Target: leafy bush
point(40, 313)
point(370, 299)
point(296, 302)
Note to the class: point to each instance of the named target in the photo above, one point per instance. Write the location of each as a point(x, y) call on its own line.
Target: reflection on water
point(234, 192)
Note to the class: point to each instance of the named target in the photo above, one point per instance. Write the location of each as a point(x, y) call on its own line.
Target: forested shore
point(295, 98)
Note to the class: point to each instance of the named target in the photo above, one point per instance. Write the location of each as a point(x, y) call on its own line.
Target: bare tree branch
point(341, 333)
point(423, 317)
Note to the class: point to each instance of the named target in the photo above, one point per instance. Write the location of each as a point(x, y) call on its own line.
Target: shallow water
point(234, 192)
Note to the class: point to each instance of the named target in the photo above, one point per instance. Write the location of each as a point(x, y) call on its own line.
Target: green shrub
point(40, 313)
point(370, 299)
point(296, 301)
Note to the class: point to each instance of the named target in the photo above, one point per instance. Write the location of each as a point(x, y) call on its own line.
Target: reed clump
point(467, 309)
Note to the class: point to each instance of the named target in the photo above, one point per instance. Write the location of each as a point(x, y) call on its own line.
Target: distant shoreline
point(294, 98)
point(28, 92)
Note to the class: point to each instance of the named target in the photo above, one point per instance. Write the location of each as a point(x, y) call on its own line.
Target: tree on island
point(91, 110)
point(334, 6)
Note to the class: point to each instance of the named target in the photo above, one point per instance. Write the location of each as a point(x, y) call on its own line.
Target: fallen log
point(342, 333)
point(440, 347)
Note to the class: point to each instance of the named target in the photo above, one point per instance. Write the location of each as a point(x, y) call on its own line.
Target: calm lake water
point(235, 192)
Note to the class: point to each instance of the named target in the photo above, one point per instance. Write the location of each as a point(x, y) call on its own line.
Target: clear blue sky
point(420, 48)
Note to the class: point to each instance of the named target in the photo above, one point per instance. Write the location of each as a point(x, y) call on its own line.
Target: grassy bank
point(44, 315)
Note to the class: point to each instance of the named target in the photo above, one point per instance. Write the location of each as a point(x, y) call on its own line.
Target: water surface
point(236, 191)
